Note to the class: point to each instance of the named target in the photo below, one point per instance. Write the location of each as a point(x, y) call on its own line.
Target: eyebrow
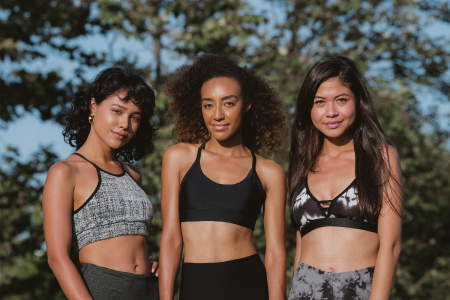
point(123, 107)
point(343, 94)
point(223, 98)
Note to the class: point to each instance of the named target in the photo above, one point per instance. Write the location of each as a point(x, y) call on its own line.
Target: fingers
point(155, 268)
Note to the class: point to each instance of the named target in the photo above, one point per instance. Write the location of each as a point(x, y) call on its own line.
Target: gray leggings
point(310, 283)
point(107, 284)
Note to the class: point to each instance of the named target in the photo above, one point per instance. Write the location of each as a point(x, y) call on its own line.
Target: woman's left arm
point(389, 231)
point(274, 179)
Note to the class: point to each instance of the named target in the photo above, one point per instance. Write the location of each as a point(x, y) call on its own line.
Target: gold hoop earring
point(91, 120)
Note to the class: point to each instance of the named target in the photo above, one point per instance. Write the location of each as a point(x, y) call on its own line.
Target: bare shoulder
point(390, 154)
point(63, 170)
point(179, 152)
point(62, 173)
point(134, 172)
point(269, 171)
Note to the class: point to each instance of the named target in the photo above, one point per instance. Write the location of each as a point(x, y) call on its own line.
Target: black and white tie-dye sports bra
point(343, 211)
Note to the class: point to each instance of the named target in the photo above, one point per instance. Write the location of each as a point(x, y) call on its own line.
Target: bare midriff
point(126, 253)
point(339, 249)
point(211, 241)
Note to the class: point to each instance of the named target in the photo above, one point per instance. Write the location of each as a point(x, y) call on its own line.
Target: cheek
point(349, 111)
point(316, 115)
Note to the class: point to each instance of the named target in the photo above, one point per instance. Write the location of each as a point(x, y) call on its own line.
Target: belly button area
point(332, 270)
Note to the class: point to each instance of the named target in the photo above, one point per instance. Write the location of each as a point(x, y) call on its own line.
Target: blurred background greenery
point(48, 49)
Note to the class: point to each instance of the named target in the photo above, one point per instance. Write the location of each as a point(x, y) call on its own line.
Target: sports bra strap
point(254, 160)
point(97, 167)
point(199, 151)
point(78, 154)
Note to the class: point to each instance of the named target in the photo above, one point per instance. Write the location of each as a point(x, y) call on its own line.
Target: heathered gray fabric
point(310, 283)
point(117, 207)
point(107, 284)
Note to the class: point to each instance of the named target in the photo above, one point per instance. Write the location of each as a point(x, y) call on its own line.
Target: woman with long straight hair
point(95, 201)
point(214, 185)
point(345, 189)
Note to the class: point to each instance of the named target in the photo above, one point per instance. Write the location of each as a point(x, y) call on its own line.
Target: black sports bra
point(343, 211)
point(202, 199)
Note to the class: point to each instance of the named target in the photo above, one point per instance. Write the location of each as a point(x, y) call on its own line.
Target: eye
point(229, 103)
point(116, 111)
point(136, 118)
point(319, 102)
point(342, 100)
point(208, 105)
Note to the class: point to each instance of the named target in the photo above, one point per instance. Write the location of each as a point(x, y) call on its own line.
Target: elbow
point(171, 241)
point(55, 262)
point(397, 248)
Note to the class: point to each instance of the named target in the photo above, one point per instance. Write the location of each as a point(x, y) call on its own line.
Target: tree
point(388, 39)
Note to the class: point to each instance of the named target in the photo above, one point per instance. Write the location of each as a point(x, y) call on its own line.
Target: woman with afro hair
point(95, 200)
point(214, 184)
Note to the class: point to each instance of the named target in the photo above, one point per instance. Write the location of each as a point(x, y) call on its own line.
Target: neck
point(335, 146)
point(94, 147)
point(229, 147)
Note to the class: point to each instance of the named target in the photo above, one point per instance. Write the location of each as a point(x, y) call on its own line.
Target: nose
point(218, 114)
point(124, 121)
point(331, 111)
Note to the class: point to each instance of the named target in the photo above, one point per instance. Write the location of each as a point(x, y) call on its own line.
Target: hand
point(154, 265)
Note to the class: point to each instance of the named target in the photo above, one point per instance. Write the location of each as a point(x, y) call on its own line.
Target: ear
point(93, 105)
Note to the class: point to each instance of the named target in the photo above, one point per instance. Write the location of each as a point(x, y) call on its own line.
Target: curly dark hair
point(107, 83)
point(263, 124)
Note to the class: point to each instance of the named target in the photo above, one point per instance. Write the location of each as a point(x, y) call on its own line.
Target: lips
point(333, 124)
point(220, 126)
point(118, 135)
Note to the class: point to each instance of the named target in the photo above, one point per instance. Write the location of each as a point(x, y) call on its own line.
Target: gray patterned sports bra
point(118, 206)
point(343, 211)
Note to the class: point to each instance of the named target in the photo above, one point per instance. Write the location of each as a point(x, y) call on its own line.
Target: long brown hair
point(370, 143)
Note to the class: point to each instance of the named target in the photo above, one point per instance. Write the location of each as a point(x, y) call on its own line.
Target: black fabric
point(107, 284)
point(337, 222)
point(240, 279)
point(202, 199)
point(343, 210)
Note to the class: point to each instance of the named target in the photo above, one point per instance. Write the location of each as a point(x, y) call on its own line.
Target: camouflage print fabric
point(310, 283)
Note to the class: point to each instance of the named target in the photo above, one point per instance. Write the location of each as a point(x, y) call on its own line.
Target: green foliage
point(388, 39)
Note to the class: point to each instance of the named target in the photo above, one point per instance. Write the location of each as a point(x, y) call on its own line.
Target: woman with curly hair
point(214, 184)
point(345, 189)
point(96, 200)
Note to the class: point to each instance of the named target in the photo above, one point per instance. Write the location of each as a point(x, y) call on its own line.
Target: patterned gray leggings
point(310, 283)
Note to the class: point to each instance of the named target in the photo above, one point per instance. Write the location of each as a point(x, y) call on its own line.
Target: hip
point(104, 283)
point(243, 278)
point(312, 283)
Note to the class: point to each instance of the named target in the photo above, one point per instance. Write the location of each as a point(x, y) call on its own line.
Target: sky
point(29, 132)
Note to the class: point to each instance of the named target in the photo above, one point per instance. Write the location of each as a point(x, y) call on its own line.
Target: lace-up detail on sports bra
point(343, 211)
point(202, 199)
point(118, 206)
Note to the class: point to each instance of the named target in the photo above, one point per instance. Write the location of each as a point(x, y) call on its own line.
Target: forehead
point(116, 99)
point(333, 87)
point(221, 86)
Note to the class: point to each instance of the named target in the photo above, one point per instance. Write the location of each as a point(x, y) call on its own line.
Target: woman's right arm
point(298, 250)
point(57, 205)
point(171, 244)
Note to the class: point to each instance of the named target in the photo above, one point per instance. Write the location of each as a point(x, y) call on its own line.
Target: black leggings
point(240, 279)
point(107, 284)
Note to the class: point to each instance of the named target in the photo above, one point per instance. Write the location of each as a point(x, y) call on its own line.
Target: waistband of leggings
point(86, 266)
point(368, 268)
point(239, 261)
